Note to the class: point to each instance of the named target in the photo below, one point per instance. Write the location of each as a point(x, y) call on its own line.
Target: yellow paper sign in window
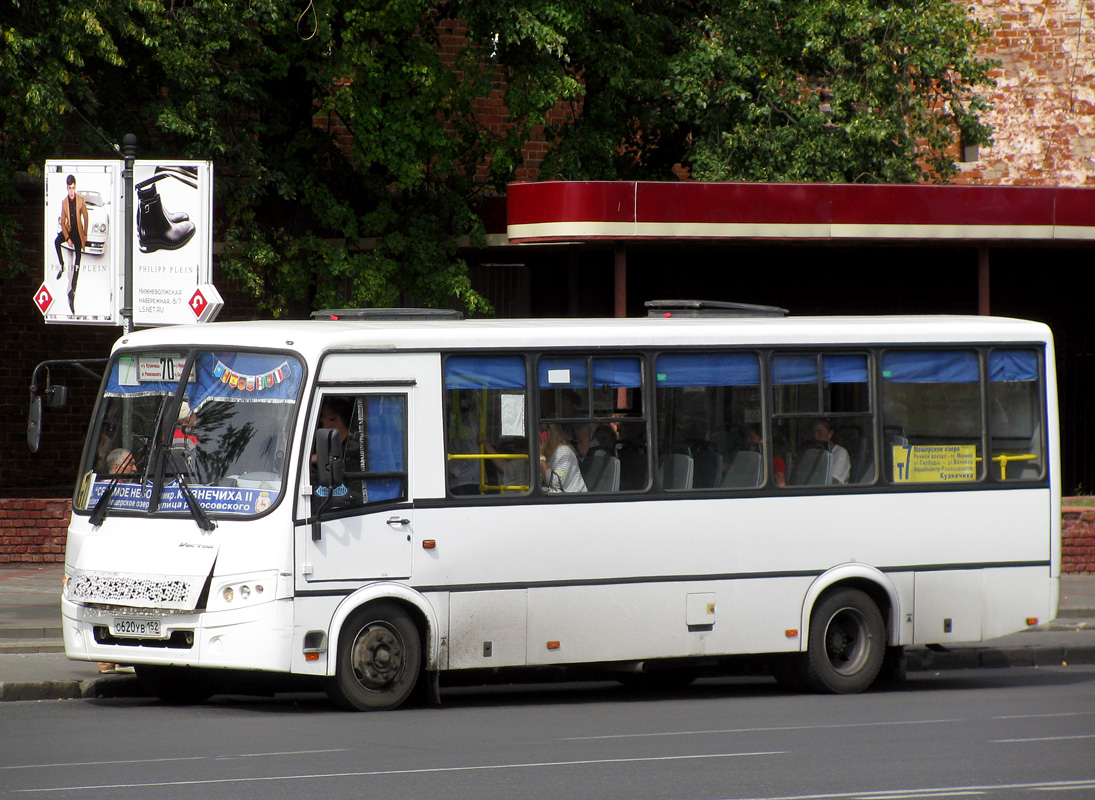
point(932, 463)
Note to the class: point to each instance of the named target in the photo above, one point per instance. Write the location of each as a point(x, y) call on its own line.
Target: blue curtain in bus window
point(573, 373)
point(930, 366)
point(385, 419)
point(1013, 365)
point(794, 369)
point(707, 369)
point(475, 372)
point(844, 368)
point(838, 368)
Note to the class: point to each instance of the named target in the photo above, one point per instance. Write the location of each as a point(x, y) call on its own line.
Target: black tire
point(847, 643)
point(179, 686)
point(379, 659)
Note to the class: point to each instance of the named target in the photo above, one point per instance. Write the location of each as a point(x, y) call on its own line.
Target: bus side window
point(708, 402)
point(486, 433)
point(591, 414)
point(931, 416)
point(822, 420)
point(1015, 415)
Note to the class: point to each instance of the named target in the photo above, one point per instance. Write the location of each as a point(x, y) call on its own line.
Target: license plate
point(136, 628)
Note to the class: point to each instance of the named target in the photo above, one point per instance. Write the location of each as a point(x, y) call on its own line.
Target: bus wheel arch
point(379, 657)
point(849, 626)
point(847, 643)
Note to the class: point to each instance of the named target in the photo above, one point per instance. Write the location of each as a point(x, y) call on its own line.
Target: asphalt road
point(991, 733)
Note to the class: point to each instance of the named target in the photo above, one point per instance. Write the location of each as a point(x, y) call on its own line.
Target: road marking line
point(940, 791)
point(1048, 716)
point(178, 758)
point(420, 771)
point(1044, 738)
point(761, 730)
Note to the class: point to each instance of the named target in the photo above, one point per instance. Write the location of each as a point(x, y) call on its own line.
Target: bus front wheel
point(378, 661)
point(847, 643)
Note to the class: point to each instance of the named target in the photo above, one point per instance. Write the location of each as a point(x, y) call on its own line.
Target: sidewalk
point(33, 665)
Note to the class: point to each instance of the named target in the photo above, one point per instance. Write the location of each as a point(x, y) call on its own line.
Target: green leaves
point(351, 141)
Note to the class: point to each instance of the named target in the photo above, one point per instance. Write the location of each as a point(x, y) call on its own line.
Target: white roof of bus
point(316, 336)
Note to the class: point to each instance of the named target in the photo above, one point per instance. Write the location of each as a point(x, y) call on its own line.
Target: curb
point(90, 689)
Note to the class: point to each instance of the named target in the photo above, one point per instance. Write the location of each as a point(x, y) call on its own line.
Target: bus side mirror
point(329, 464)
point(34, 422)
point(56, 396)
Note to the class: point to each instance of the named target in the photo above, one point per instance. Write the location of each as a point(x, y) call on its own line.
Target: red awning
point(616, 210)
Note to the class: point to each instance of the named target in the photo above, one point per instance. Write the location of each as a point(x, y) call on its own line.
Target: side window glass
point(1015, 415)
point(486, 433)
point(931, 416)
point(373, 431)
point(709, 414)
point(593, 431)
point(822, 423)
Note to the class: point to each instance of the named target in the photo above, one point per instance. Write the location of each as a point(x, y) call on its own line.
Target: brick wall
point(1043, 112)
point(34, 531)
point(1078, 540)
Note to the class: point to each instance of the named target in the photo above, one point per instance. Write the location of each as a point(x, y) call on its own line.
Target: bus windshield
point(204, 431)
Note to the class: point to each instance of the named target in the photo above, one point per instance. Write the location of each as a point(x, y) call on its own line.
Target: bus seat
point(813, 467)
point(633, 470)
point(708, 469)
point(676, 471)
point(745, 470)
point(601, 472)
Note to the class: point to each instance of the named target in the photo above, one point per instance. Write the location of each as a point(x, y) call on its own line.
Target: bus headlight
point(244, 592)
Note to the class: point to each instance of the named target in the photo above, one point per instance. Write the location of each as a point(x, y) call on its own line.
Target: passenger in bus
point(184, 435)
point(606, 438)
point(822, 432)
point(337, 413)
point(120, 462)
point(559, 469)
point(755, 442)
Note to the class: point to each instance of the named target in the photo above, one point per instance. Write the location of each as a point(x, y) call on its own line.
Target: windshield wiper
point(196, 510)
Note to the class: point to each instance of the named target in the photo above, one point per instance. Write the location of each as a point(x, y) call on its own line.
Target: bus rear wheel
point(378, 661)
point(847, 643)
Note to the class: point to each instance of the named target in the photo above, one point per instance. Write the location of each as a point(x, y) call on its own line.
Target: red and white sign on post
point(206, 303)
point(43, 299)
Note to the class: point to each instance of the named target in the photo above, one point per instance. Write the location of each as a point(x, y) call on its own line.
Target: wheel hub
point(377, 657)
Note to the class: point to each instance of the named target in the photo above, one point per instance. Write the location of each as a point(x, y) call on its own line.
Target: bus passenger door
point(360, 529)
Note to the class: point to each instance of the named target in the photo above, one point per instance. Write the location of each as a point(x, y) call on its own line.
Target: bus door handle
point(394, 521)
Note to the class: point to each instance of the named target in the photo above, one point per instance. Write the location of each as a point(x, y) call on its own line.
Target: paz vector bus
point(374, 498)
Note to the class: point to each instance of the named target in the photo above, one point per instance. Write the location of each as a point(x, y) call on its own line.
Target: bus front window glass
point(228, 431)
point(486, 434)
point(709, 420)
point(931, 416)
point(592, 407)
point(1015, 415)
point(822, 424)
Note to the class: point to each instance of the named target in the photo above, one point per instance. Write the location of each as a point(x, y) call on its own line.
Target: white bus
point(374, 501)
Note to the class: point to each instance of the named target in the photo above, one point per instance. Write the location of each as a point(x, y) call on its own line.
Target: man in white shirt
point(842, 462)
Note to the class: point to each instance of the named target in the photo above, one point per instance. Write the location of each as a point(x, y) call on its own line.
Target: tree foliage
point(348, 136)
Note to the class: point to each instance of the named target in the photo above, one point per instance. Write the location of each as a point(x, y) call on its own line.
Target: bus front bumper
point(256, 638)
